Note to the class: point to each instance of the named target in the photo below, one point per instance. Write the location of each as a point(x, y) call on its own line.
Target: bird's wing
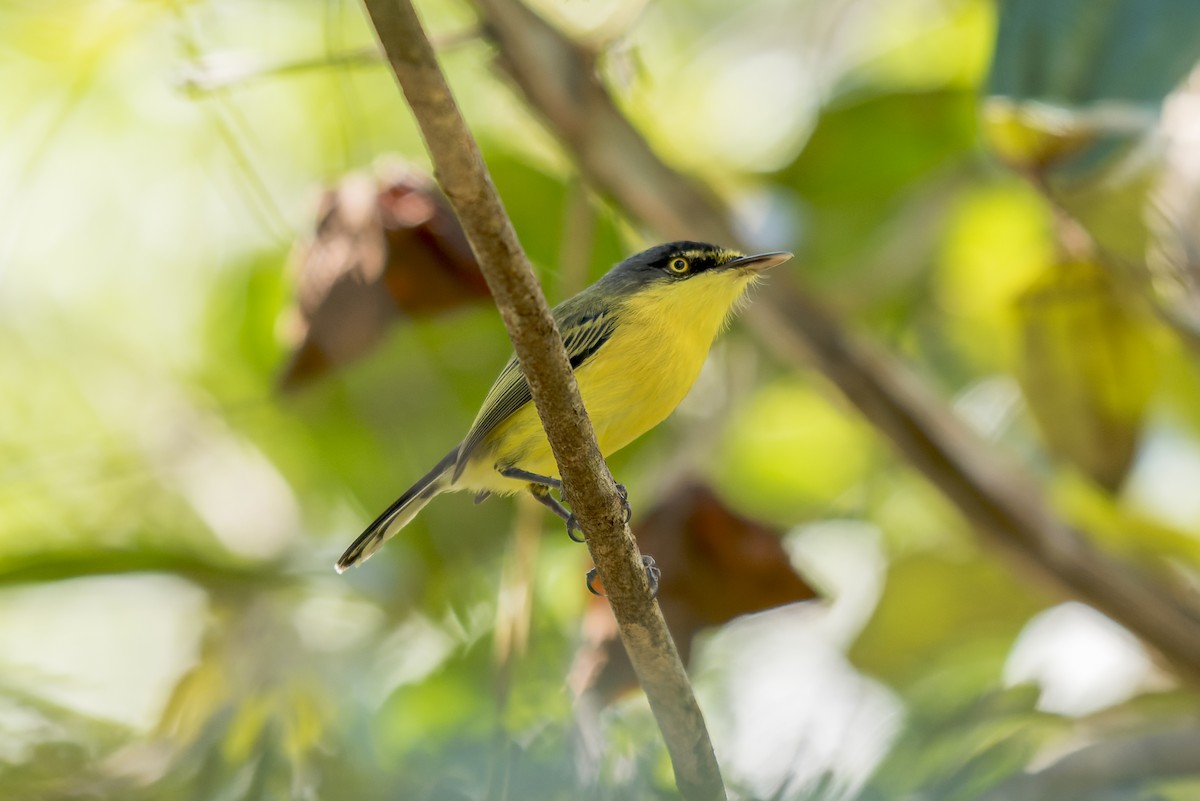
point(584, 327)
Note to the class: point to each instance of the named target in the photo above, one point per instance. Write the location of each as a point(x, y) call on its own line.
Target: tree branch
point(1005, 504)
point(588, 484)
point(1125, 764)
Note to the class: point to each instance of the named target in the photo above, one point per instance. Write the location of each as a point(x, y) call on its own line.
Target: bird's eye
point(678, 266)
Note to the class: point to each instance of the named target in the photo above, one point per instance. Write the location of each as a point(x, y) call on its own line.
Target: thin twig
point(589, 486)
point(1004, 503)
point(219, 72)
point(223, 71)
point(232, 127)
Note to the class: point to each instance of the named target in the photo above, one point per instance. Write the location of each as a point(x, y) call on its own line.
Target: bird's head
point(688, 280)
point(677, 262)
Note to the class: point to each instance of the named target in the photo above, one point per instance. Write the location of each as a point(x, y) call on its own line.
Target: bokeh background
point(1001, 195)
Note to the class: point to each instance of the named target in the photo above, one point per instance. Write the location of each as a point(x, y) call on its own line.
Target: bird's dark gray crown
point(655, 263)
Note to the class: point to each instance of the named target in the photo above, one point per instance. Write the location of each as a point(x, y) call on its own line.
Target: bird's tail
point(398, 515)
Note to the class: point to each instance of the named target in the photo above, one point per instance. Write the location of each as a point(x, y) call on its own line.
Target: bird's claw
point(653, 574)
point(573, 528)
point(576, 533)
point(624, 493)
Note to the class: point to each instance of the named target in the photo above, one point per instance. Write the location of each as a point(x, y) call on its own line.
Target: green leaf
point(953, 618)
point(864, 158)
point(1078, 52)
point(1088, 369)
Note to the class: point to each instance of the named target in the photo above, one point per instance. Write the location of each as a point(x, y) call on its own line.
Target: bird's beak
point(763, 261)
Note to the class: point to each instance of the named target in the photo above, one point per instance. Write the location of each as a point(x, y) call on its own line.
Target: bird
point(636, 340)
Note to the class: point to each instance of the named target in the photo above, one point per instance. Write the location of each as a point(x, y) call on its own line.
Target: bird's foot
point(573, 529)
point(576, 533)
point(653, 574)
point(624, 493)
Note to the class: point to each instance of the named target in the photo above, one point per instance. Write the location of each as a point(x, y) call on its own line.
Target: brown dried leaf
point(715, 566)
point(385, 246)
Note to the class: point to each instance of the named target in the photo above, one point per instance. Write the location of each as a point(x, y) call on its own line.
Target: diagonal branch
point(1004, 503)
point(589, 486)
point(1090, 771)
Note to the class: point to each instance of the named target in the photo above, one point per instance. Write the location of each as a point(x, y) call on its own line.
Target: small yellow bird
point(636, 339)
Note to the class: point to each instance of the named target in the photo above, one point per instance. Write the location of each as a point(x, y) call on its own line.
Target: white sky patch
point(1082, 660)
point(112, 647)
point(759, 110)
point(1165, 477)
point(845, 560)
point(786, 708)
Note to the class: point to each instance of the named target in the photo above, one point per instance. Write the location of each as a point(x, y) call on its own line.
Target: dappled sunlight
point(789, 712)
point(1081, 661)
point(1165, 477)
point(111, 647)
point(229, 484)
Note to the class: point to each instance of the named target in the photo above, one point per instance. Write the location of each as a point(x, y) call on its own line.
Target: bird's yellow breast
point(632, 383)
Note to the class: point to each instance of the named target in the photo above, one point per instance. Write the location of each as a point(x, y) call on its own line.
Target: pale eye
point(678, 266)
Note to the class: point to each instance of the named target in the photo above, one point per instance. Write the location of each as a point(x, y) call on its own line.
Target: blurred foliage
point(170, 625)
point(1088, 369)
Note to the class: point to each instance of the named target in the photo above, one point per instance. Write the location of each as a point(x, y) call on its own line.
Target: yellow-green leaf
point(1088, 368)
